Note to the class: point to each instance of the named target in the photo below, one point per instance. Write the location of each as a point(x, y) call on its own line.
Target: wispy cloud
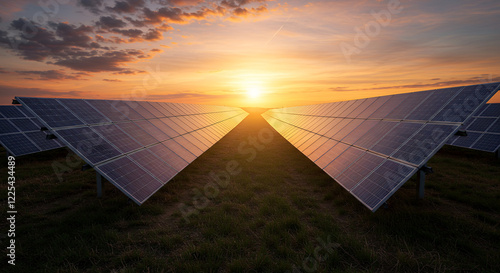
point(55, 75)
point(9, 92)
point(91, 46)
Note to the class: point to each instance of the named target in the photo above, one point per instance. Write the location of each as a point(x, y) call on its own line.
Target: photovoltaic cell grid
point(373, 146)
point(20, 132)
point(138, 146)
point(483, 130)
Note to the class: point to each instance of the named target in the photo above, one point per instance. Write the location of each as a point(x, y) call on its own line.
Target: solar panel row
point(373, 146)
point(138, 146)
point(20, 132)
point(483, 130)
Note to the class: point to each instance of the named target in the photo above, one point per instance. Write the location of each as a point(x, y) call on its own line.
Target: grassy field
point(276, 212)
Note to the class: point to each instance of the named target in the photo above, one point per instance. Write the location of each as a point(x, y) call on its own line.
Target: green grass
point(271, 217)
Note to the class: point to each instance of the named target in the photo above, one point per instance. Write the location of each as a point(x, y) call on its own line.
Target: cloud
point(112, 80)
point(182, 2)
point(470, 81)
point(171, 15)
point(153, 35)
point(423, 86)
point(108, 61)
point(71, 46)
point(91, 5)
point(341, 89)
point(12, 7)
point(128, 6)
point(9, 92)
point(129, 72)
point(61, 39)
point(239, 3)
point(241, 12)
point(92, 48)
point(190, 95)
point(53, 75)
point(107, 22)
point(132, 33)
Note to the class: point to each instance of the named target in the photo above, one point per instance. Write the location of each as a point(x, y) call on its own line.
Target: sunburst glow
point(254, 92)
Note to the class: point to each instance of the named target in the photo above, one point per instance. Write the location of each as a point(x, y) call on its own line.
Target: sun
point(254, 92)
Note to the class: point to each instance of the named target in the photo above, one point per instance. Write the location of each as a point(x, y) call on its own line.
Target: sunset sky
point(244, 52)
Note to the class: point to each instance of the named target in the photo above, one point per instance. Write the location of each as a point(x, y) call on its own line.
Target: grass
point(273, 216)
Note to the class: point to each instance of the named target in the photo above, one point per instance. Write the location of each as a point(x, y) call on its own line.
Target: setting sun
point(244, 53)
point(254, 92)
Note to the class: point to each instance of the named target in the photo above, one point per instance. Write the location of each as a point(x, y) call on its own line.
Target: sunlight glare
point(253, 92)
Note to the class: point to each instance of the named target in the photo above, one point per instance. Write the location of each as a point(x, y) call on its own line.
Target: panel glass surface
point(482, 130)
point(84, 111)
point(134, 146)
point(24, 124)
point(105, 108)
point(492, 110)
point(384, 180)
point(359, 170)
point(7, 127)
point(40, 139)
point(154, 165)
point(343, 161)
point(425, 143)
point(488, 143)
point(169, 156)
point(471, 97)
point(433, 104)
point(18, 144)
point(391, 141)
point(152, 130)
point(88, 144)
point(362, 140)
point(137, 133)
point(117, 137)
point(126, 110)
point(10, 111)
point(131, 179)
point(52, 112)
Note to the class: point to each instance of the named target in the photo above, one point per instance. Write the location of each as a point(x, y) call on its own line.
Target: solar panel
point(52, 112)
point(137, 146)
point(8, 111)
point(20, 133)
point(373, 146)
point(483, 130)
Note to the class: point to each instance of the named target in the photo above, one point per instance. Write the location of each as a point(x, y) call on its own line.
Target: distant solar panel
point(483, 130)
point(373, 146)
point(20, 132)
point(137, 146)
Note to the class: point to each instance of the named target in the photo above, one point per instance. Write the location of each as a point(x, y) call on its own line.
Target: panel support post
point(99, 184)
point(420, 184)
point(421, 181)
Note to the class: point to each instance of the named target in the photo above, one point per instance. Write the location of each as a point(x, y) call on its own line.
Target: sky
point(244, 52)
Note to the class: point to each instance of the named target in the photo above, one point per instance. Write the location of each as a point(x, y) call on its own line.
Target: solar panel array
point(20, 132)
point(483, 130)
point(373, 146)
point(138, 146)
